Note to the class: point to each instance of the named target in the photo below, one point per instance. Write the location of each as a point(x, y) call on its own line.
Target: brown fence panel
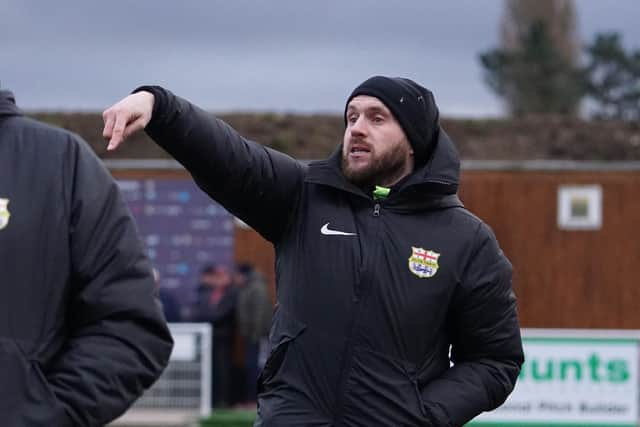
point(564, 279)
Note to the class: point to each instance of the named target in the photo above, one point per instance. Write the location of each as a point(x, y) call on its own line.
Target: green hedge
point(229, 418)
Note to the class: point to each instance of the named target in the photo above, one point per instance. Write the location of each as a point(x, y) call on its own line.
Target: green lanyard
point(381, 192)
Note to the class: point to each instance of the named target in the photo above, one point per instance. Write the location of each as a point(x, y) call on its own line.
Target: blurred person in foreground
point(216, 304)
point(81, 331)
point(394, 303)
point(253, 314)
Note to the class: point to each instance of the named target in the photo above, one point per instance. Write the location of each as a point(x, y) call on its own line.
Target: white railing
point(183, 391)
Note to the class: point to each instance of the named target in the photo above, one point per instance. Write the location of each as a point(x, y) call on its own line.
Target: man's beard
point(384, 169)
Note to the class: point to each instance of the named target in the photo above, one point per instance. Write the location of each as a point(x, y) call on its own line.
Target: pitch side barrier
point(586, 378)
point(182, 394)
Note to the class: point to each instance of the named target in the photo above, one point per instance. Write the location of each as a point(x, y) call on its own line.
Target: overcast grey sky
point(248, 55)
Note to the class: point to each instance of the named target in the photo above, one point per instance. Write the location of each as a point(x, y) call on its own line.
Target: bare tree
point(536, 68)
point(558, 16)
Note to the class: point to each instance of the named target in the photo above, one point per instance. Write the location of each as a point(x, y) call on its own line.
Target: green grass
point(229, 418)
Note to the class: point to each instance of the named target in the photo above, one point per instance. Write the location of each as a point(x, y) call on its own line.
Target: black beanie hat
point(412, 105)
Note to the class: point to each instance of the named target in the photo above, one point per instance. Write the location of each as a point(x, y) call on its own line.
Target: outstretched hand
point(126, 117)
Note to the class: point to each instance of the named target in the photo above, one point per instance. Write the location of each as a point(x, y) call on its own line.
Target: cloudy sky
point(257, 55)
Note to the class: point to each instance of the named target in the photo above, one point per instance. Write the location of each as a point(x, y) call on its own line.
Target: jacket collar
point(8, 104)
point(437, 178)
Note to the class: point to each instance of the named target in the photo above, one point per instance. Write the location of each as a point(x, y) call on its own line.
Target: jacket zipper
point(348, 354)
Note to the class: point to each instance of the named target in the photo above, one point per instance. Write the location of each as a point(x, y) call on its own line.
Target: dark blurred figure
point(253, 314)
point(81, 332)
point(170, 305)
point(216, 304)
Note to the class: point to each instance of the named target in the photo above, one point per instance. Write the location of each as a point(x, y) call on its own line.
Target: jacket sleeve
point(486, 346)
point(117, 342)
point(257, 184)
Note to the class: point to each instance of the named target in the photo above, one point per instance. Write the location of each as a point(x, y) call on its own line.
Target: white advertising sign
point(575, 379)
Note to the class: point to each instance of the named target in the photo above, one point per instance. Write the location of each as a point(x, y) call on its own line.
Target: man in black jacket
point(394, 303)
point(81, 333)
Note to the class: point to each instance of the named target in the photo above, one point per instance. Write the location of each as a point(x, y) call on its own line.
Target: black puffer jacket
point(81, 333)
point(370, 294)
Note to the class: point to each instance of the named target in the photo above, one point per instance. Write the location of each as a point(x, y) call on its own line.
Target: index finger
point(117, 135)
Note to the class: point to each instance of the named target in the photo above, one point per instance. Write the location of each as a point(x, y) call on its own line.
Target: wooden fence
point(563, 278)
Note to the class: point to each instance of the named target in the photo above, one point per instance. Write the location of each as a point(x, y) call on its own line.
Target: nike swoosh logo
point(329, 232)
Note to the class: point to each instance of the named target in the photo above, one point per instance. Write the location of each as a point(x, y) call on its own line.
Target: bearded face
point(375, 150)
point(366, 166)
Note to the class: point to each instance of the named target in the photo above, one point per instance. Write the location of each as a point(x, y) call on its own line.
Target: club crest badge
point(423, 262)
point(4, 213)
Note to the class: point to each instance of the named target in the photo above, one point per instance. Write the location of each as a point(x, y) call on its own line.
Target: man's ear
point(410, 146)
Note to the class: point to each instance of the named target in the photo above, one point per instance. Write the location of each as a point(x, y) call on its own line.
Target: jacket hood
point(438, 177)
point(8, 104)
point(443, 168)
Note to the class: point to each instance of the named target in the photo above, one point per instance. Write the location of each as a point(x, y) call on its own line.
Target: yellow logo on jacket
point(423, 262)
point(4, 213)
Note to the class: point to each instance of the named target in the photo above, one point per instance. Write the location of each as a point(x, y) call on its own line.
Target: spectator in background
point(81, 332)
point(216, 303)
point(170, 305)
point(253, 314)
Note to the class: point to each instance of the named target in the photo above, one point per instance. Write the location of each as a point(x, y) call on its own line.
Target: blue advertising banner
point(183, 230)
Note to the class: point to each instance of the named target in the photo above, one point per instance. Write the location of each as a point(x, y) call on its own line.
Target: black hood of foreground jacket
point(435, 181)
point(8, 104)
